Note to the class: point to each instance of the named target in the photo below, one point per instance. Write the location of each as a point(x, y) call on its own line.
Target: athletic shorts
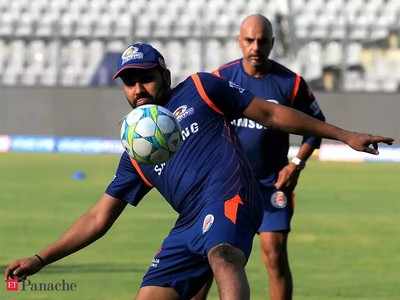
point(182, 261)
point(278, 210)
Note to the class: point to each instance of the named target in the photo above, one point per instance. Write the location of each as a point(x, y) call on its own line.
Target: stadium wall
point(96, 111)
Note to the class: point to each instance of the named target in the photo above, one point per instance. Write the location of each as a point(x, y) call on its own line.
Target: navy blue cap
point(139, 56)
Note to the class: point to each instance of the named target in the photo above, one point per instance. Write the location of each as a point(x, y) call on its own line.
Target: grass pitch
point(344, 244)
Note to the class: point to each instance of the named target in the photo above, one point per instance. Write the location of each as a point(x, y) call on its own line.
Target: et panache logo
point(12, 285)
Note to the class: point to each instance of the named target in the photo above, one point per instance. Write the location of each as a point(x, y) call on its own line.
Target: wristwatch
point(299, 163)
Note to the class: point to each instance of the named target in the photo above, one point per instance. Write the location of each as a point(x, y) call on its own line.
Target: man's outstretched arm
point(293, 121)
point(85, 230)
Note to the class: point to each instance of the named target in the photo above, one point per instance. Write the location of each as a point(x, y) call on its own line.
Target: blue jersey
point(267, 148)
point(210, 165)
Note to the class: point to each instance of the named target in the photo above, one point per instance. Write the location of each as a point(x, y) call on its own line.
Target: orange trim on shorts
point(140, 172)
point(295, 88)
point(231, 208)
point(203, 94)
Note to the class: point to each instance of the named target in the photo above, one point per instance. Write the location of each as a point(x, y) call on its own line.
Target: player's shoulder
point(228, 67)
point(205, 78)
point(200, 81)
point(232, 64)
point(281, 70)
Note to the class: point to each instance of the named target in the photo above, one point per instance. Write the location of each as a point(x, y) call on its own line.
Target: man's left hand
point(287, 177)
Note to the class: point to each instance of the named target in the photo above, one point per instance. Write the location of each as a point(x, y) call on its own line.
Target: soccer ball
point(150, 134)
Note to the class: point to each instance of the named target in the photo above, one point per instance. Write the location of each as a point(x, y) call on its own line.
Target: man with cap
point(208, 182)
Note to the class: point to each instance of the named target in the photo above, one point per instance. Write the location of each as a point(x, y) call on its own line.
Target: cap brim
point(134, 66)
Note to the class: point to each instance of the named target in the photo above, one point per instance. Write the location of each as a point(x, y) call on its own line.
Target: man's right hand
point(366, 142)
point(22, 268)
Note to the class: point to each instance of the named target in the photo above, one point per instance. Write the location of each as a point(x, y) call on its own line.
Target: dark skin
point(256, 41)
point(146, 86)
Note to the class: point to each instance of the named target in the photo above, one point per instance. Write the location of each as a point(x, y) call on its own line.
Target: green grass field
point(345, 242)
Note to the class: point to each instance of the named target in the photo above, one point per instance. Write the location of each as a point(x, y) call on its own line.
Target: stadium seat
point(353, 57)
point(332, 54)
point(47, 25)
point(3, 55)
point(10, 77)
point(231, 50)
point(174, 53)
point(48, 77)
point(8, 22)
point(25, 24)
point(143, 27)
point(353, 81)
point(162, 28)
point(123, 26)
point(85, 26)
point(115, 46)
point(68, 22)
point(214, 54)
point(102, 26)
point(192, 61)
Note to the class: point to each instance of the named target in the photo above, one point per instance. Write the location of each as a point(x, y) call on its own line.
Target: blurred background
point(335, 44)
point(57, 57)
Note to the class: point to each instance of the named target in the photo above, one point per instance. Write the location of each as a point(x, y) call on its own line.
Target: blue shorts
point(182, 261)
point(278, 210)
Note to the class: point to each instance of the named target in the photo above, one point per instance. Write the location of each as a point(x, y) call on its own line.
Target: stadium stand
point(63, 42)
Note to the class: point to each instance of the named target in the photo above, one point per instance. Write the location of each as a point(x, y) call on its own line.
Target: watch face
point(298, 162)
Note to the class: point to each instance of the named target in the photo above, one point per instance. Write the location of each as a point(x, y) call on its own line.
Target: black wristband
point(40, 259)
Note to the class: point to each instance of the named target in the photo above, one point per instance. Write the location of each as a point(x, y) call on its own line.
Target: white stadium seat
point(180, 27)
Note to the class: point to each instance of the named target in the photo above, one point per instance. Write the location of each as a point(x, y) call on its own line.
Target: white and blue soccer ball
point(150, 134)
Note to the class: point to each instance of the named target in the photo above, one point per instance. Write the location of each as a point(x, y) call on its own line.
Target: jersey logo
point(315, 107)
point(207, 223)
point(182, 112)
point(155, 262)
point(278, 199)
point(244, 122)
point(236, 86)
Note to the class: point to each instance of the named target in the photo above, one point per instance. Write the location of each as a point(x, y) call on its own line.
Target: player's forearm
point(83, 232)
point(292, 121)
point(305, 151)
point(296, 122)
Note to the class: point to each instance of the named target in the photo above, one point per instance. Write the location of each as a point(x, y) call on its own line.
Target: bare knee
point(224, 255)
point(156, 292)
point(274, 250)
point(227, 264)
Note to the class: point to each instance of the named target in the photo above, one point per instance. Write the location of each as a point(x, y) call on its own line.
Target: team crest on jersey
point(182, 112)
point(207, 223)
point(279, 199)
point(131, 52)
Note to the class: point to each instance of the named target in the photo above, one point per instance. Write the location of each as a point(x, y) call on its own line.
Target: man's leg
point(157, 292)
point(275, 257)
point(227, 264)
point(202, 294)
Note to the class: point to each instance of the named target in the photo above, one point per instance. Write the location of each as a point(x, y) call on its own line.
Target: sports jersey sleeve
point(228, 97)
point(126, 184)
point(305, 101)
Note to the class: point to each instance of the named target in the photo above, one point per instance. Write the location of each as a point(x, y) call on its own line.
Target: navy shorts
point(278, 210)
point(182, 261)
